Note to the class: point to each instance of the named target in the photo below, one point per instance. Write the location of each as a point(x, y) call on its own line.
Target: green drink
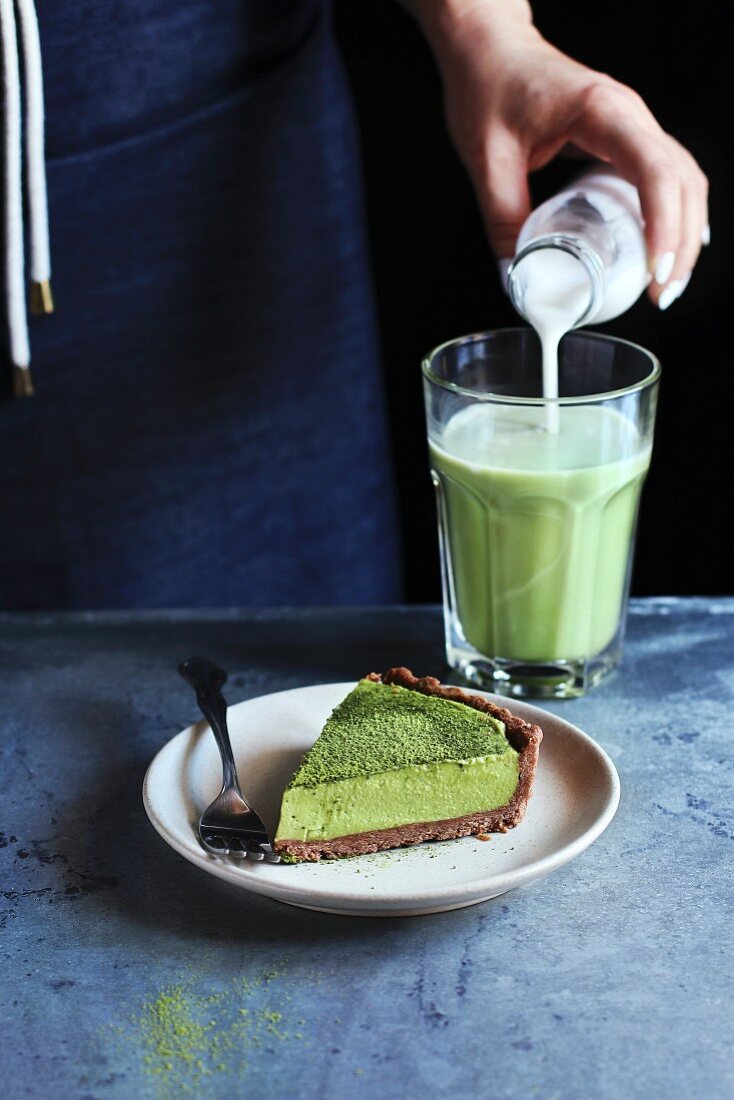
point(539, 526)
point(537, 504)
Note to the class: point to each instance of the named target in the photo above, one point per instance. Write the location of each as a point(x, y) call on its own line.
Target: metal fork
point(229, 827)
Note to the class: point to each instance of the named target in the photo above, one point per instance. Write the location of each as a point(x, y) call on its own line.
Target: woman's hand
point(513, 102)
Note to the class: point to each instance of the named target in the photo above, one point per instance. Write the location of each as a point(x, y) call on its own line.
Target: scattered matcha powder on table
point(187, 1036)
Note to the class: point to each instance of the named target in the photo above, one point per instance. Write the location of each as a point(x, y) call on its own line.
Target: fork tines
point(221, 844)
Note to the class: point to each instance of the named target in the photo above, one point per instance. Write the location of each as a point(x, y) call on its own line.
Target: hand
point(513, 102)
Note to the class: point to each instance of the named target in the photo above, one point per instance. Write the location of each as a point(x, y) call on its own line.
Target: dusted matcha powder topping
point(383, 726)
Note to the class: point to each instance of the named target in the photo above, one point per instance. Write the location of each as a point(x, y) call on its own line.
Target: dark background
point(436, 278)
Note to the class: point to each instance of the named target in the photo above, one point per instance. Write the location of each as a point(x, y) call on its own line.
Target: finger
point(503, 196)
point(662, 211)
point(695, 214)
point(687, 255)
point(694, 226)
point(616, 126)
point(700, 188)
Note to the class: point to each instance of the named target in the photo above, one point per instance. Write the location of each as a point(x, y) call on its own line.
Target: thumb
point(504, 197)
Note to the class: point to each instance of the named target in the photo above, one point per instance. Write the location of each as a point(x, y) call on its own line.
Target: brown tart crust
point(523, 737)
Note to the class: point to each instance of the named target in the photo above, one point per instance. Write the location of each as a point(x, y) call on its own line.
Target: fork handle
point(207, 680)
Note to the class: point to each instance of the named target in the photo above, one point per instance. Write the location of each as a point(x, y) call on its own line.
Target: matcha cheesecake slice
point(402, 760)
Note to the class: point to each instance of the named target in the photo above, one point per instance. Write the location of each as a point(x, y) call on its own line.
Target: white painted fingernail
point(504, 266)
point(672, 291)
point(706, 235)
point(664, 267)
point(684, 282)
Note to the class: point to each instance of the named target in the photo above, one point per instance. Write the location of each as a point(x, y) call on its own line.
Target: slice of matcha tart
point(402, 760)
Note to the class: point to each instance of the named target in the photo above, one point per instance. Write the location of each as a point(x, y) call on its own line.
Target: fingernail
point(504, 267)
point(672, 291)
point(664, 267)
point(706, 235)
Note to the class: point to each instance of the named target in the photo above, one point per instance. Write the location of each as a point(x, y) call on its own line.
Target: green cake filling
point(389, 756)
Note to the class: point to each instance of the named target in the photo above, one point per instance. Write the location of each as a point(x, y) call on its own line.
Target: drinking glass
point(537, 504)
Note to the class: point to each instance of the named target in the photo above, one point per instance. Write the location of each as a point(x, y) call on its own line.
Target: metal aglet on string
point(42, 299)
point(22, 382)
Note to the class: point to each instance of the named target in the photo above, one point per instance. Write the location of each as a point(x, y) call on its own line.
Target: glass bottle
point(597, 222)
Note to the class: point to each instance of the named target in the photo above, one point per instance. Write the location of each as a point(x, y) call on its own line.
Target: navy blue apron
point(209, 425)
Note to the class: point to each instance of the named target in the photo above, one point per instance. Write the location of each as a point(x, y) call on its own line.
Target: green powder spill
point(175, 1042)
point(186, 1036)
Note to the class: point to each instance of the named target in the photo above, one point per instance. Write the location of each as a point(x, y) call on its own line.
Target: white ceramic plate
point(575, 797)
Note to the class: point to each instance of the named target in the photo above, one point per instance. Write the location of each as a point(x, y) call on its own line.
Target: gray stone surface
point(611, 978)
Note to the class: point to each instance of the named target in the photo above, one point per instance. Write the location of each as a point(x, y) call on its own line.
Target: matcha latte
point(538, 525)
point(537, 497)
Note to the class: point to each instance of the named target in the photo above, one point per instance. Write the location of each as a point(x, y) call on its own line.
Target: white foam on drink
point(511, 437)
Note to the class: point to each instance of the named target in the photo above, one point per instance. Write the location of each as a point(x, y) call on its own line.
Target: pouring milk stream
point(580, 257)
